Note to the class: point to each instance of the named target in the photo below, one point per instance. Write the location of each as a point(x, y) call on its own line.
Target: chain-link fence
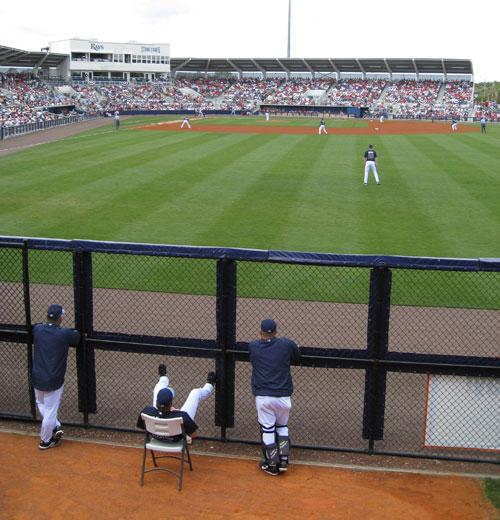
point(399, 355)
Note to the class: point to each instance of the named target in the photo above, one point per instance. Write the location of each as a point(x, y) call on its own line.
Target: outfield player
point(51, 346)
point(371, 164)
point(272, 387)
point(454, 125)
point(163, 396)
point(322, 127)
point(117, 120)
point(483, 125)
point(186, 122)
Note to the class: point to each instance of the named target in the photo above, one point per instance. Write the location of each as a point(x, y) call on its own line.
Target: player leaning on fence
point(272, 387)
point(51, 346)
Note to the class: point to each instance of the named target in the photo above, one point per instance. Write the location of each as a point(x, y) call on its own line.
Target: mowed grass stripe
point(263, 214)
point(454, 192)
point(94, 194)
point(212, 182)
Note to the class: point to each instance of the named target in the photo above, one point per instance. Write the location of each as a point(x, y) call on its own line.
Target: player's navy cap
point(54, 312)
point(268, 325)
point(370, 146)
point(165, 397)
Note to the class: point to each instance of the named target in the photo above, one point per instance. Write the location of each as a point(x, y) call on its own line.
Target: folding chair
point(165, 428)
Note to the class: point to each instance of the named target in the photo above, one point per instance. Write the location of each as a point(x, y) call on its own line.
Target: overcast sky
point(259, 28)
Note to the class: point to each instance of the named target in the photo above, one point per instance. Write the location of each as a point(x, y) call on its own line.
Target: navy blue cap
point(54, 312)
point(268, 325)
point(165, 397)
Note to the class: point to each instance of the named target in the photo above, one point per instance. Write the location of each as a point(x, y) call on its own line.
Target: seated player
point(163, 396)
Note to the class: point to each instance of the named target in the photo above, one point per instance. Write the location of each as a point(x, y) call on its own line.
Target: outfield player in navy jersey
point(371, 164)
point(272, 387)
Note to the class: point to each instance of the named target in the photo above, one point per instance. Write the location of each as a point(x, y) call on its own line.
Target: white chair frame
point(165, 428)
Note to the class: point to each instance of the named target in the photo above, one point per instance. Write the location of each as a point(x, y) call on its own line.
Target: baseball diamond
point(277, 267)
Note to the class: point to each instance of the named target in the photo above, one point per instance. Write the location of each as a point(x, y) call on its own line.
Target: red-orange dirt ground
point(385, 128)
point(85, 480)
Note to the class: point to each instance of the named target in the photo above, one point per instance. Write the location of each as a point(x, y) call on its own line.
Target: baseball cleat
point(211, 378)
point(270, 470)
point(282, 466)
point(51, 444)
point(57, 433)
point(162, 370)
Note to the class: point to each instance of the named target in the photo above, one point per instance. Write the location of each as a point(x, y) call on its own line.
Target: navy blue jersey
point(51, 345)
point(322, 122)
point(370, 155)
point(271, 359)
point(189, 425)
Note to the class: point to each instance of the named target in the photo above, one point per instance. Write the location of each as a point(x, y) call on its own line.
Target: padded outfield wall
point(399, 354)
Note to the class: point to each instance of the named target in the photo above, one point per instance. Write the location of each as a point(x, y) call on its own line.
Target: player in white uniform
point(371, 164)
point(322, 127)
point(381, 118)
point(186, 122)
point(454, 125)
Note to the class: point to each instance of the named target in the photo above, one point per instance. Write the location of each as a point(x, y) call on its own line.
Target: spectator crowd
point(25, 98)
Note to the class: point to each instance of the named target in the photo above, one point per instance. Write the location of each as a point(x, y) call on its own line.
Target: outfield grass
point(492, 491)
point(438, 197)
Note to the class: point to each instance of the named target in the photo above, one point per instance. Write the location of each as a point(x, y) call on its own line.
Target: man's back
point(51, 344)
point(271, 359)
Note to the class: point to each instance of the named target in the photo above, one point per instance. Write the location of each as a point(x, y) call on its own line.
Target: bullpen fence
point(400, 355)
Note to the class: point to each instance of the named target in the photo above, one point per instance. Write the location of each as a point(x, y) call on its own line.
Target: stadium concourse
point(26, 98)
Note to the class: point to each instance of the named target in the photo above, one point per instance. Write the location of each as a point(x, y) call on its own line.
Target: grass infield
point(438, 193)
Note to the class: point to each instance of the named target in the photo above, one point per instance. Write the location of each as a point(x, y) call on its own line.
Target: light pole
point(289, 24)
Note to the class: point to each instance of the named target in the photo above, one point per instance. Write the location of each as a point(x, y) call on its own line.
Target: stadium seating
point(24, 98)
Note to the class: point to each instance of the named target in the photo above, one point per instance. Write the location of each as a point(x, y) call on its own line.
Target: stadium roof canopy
point(17, 58)
point(323, 65)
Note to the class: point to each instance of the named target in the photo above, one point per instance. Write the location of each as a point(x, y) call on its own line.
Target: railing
point(15, 131)
point(399, 354)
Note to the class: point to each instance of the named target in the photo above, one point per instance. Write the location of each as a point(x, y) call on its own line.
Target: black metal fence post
point(85, 359)
point(226, 339)
point(377, 346)
point(29, 326)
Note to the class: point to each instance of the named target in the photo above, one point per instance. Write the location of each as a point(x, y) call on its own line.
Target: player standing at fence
point(51, 346)
point(186, 122)
point(371, 164)
point(322, 127)
point(272, 387)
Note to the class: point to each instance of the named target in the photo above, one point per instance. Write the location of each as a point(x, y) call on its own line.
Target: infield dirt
point(386, 128)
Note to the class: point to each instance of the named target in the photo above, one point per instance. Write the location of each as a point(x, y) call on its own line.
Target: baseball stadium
point(170, 204)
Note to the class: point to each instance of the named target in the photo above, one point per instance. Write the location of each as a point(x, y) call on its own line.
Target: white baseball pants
point(273, 411)
point(370, 165)
point(193, 400)
point(48, 404)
